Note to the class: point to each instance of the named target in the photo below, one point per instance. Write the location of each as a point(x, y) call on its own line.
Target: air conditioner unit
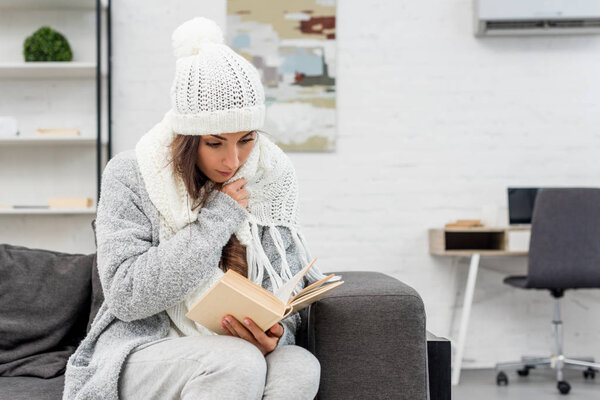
point(536, 17)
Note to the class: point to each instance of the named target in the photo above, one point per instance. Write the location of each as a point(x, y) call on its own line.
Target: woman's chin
point(219, 179)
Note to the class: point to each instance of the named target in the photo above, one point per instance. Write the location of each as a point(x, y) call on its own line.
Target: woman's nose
point(232, 161)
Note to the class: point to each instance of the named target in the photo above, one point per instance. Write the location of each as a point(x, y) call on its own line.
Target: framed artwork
point(292, 44)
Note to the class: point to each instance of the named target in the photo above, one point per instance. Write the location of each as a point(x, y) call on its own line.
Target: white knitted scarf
point(273, 199)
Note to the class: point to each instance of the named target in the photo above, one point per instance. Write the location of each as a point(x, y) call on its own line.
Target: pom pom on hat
point(191, 35)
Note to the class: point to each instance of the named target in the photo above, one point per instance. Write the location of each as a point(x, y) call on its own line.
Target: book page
point(313, 286)
point(315, 295)
point(285, 291)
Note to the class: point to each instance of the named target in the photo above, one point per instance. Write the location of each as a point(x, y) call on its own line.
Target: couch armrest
point(369, 337)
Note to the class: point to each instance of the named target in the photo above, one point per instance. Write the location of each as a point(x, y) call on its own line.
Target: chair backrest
point(564, 250)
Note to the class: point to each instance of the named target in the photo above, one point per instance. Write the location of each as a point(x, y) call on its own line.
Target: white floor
point(480, 384)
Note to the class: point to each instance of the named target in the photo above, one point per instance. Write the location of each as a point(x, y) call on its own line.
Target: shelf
point(474, 229)
point(488, 229)
point(48, 70)
point(468, 253)
point(34, 140)
point(46, 211)
point(47, 4)
point(481, 240)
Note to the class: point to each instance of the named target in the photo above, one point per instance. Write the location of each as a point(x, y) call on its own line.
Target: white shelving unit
point(52, 95)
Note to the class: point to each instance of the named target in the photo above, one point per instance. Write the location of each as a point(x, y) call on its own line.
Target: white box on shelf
point(8, 127)
point(518, 240)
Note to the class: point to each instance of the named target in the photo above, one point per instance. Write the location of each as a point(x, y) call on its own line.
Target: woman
point(202, 193)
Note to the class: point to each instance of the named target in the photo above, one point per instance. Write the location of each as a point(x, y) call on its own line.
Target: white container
point(8, 127)
point(518, 240)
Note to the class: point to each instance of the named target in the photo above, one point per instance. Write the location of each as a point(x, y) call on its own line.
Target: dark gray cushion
point(29, 388)
point(45, 301)
point(94, 229)
point(97, 294)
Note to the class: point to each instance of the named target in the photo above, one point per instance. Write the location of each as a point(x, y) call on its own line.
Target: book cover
point(236, 295)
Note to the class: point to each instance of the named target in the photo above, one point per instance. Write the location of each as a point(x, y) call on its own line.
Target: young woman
point(202, 193)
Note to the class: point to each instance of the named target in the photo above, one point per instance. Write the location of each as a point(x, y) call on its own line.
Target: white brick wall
point(433, 124)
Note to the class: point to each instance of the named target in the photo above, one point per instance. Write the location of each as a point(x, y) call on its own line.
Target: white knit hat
point(215, 90)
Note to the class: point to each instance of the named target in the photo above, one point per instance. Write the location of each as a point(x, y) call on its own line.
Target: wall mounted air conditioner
point(536, 17)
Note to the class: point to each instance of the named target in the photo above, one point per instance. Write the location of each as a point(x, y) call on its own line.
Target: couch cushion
point(29, 388)
point(97, 294)
point(94, 229)
point(44, 308)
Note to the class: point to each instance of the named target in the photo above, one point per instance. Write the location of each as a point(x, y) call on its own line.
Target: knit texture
point(143, 276)
point(215, 90)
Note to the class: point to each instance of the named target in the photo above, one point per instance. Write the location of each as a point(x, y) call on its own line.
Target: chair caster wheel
point(563, 387)
point(523, 372)
point(589, 373)
point(501, 379)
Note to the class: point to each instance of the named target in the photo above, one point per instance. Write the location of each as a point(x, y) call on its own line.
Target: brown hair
point(184, 154)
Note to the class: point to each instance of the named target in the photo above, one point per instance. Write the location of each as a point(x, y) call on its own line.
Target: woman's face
point(220, 156)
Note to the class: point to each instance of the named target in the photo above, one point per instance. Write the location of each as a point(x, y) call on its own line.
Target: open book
point(236, 295)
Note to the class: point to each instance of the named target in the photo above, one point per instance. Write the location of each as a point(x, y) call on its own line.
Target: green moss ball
point(46, 44)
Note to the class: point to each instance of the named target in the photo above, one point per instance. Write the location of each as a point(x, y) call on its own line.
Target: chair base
point(558, 363)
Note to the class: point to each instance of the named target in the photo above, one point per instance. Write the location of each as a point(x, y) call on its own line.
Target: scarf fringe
point(260, 261)
point(286, 273)
point(285, 268)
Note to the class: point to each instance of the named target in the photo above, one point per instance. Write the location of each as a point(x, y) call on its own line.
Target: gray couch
point(369, 335)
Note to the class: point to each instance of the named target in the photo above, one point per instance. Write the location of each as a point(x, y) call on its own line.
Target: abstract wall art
point(292, 44)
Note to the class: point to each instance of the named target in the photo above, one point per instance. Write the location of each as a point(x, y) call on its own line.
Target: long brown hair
point(184, 154)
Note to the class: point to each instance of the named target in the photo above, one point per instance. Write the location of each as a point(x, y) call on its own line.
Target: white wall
point(433, 124)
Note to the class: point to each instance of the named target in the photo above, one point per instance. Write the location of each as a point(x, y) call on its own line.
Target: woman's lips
point(224, 173)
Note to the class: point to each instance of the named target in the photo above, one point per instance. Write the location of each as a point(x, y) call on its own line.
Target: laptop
point(520, 205)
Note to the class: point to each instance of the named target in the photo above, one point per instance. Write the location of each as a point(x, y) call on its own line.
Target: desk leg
point(464, 318)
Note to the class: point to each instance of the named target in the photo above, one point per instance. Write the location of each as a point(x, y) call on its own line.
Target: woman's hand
point(237, 192)
point(266, 342)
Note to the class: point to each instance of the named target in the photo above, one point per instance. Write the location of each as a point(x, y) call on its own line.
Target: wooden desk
point(473, 243)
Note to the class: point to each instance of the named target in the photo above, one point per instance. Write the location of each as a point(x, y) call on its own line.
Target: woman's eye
point(247, 140)
point(213, 144)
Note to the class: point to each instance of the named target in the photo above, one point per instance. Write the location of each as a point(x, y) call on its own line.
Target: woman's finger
point(239, 184)
point(225, 328)
point(276, 330)
point(240, 330)
point(267, 342)
point(241, 194)
point(255, 330)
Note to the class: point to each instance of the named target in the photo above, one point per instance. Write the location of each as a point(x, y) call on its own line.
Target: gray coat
point(141, 277)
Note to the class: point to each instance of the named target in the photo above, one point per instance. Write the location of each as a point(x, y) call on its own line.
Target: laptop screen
point(520, 205)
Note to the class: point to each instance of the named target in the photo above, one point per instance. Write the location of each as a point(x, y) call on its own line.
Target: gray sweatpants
point(218, 367)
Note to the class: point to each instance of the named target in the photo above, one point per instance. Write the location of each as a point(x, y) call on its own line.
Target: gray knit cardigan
point(141, 277)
